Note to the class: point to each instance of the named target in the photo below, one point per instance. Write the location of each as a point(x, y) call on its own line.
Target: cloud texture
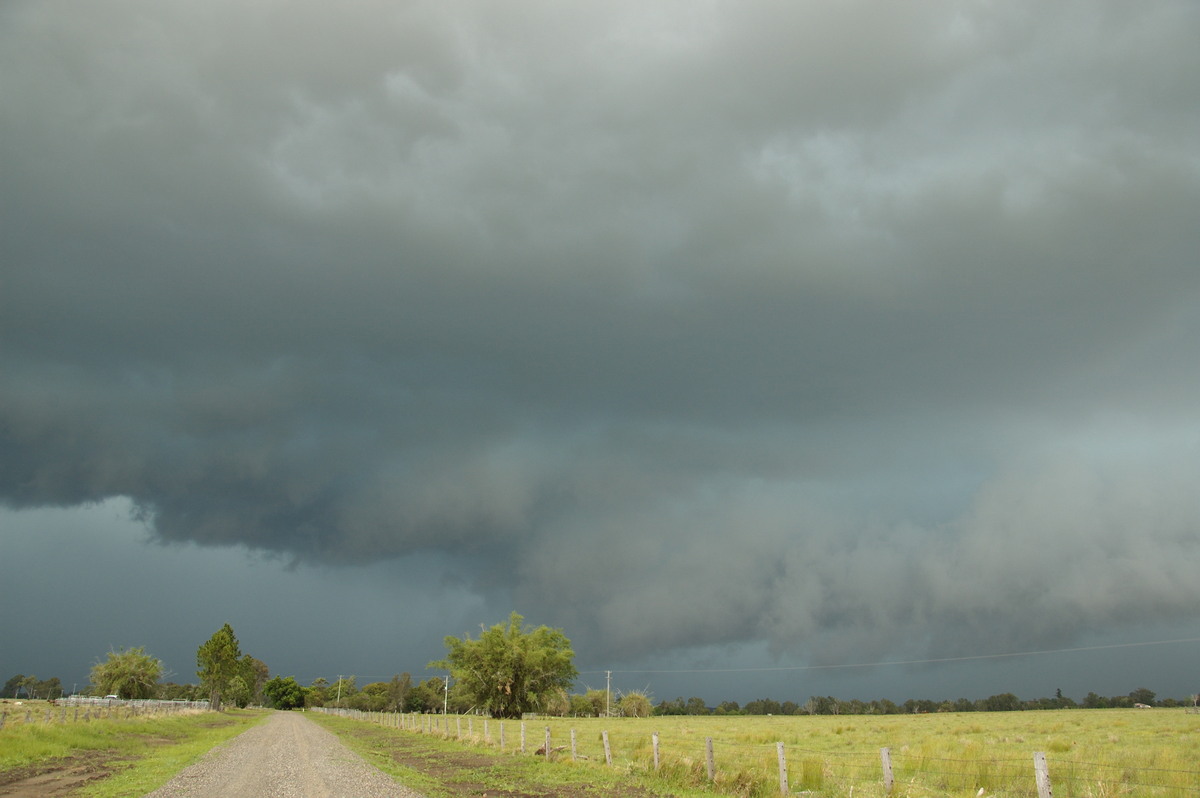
point(677, 325)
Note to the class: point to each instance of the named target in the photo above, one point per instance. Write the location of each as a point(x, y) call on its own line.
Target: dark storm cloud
point(751, 322)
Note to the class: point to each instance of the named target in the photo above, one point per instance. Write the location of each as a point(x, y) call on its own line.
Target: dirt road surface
point(288, 756)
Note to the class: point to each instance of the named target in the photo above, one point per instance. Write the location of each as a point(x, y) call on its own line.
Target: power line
point(909, 661)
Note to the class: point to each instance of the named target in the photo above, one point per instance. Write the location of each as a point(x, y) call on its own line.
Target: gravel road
point(288, 756)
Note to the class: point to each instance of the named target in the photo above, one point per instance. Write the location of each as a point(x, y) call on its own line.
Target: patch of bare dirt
point(58, 778)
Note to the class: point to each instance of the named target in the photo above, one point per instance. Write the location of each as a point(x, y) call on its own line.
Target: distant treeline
point(402, 694)
point(828, 705)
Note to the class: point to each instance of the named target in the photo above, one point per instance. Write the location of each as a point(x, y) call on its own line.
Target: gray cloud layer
point(681, 324)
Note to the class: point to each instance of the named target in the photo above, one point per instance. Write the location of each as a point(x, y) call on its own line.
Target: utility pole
point(446, 697)
point(607, 693)
point(339, 698)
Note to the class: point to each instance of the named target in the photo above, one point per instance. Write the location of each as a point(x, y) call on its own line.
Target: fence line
point(81, 709)
point(816, 768)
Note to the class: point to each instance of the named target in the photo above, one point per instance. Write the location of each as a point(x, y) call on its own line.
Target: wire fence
point(752, 767)
point(82, 709)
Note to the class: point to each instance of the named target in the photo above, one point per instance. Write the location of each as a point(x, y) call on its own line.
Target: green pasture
point(1102, 752)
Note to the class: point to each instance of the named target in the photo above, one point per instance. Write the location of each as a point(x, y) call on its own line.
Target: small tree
point(218, 661)
point(238, 692)
point(597, 702)
point(509, 672)
point(635, 704)
point(131, 673)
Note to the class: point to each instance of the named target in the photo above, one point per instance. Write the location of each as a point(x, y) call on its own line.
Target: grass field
point(121, 756)
point(1093, 753)
point(1125, 752)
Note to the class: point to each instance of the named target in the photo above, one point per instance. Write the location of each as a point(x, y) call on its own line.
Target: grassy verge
point(441, 768)
point(140, 753)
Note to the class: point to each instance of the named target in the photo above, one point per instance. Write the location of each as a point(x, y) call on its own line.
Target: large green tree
point(218, 661)
point(130, 673)
point(509, 671)
point(284, 692)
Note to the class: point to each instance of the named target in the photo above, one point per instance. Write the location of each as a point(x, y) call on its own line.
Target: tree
point(1003, 702)
point(397, 691)
point(218, 662)
point(597, 703)
point(316, 694)
point(131, 673)
point(1142, 696)
point(428, 696)
point(237, 692)
point(12, 686)
point(635, 704)
point(341, 691)
point(179, 692)
point(255, 673)
point(557, 702)
point(372, 697)
point(507, 671)
point(49, 688)
point(283, 693)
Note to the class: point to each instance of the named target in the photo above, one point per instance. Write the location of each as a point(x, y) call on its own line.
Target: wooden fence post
point(1041, 772)
point(458, 727)
point(885, 754)
point(574, 756)
point(607, 749)
point(547, 742)
point(522, 737)
point(712, 764)
point(501, 736)
point(654, 745)
point(783, 784)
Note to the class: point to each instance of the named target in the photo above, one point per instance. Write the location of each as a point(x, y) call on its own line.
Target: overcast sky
point(752, 339)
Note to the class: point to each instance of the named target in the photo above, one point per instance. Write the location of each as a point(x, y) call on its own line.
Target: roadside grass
point(144, 752)
point(1128, 752)
point(444, 768)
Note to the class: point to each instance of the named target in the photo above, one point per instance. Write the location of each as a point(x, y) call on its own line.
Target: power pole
point(607, 693)
point(446, 698)
point(339, 698)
